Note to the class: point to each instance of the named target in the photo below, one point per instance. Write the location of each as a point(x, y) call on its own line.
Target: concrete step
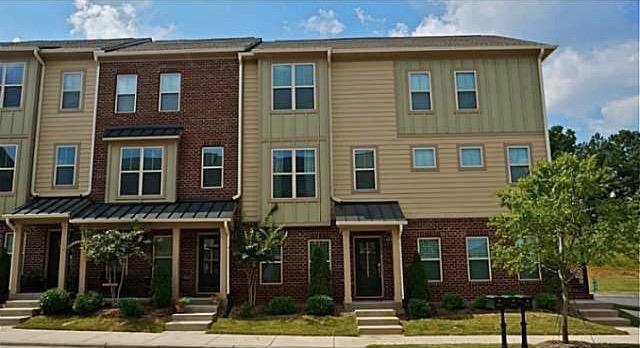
point(598, 312)
point(192, 316)
point(375, 313)
point(590, 304)
point(373, 305)
point(12, 312)
point(22, 304)
point(612, 321)
point(187, 325)
point(380, 330)
point(14, 320)
point(370, 321)
point(201, 309)
point(26, 296)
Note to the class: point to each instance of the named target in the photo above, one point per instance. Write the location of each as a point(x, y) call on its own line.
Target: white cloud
point(16, 39)
point(365, 18)
point(325, 23)
point(618, 114)
point(94, 20)
point(399, 30)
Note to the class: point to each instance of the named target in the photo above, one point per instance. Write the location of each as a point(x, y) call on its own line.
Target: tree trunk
point(565, 307)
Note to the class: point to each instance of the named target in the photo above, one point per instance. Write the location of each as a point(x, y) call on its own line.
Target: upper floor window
point(71, 96)
point(212, 167)
point(466, 90)
point(11, 83)
point(424, 158)
point(364, 169)
point(8, 242)
point(126, 87)
point(429, 251)
point(471, 157)
point(8, 155)
point(519, 162)
point(293, 173)
point(478, 258)
point(170, 92)
point(141, 171)
point(293, 86)
point(65, 167)
point(420, 91)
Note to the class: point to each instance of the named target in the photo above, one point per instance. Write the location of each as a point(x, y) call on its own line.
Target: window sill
point(65, 111)
point(365, 191)
point(7, 193)
point(467, 111)
point(471, 169)
point(421, 113)
point(434, 169)
point(480, 281)
point(295, 200)
point(293, 112)
point(211, 187)
point(14, 109)
point(169, 111)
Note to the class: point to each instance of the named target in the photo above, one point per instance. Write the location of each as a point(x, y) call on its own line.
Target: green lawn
point(538, 323)
point(97, 323)
point(297, 325)
point(614, 280)
point(592, 345)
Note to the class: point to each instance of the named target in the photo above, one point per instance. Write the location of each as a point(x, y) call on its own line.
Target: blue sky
point(591, 81)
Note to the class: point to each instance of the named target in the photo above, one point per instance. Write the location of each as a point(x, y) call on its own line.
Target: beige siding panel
point(250, 144)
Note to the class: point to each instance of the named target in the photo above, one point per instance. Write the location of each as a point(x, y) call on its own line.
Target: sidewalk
point(16, 337)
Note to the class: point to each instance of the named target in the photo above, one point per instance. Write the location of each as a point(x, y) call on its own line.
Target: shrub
point(131, 307)
point(319, 305)
point(452, 301)
point(55, 302)
point(319, 273)
point(419, 309)
point(480, 302)
point(87, 303)
point(5, 269)
point(247, 310)
point(546, 300)
point(280, 305)
point(161, 287)
point(417, 280)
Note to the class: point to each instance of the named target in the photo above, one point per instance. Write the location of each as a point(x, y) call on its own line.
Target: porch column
point(224, 259)
point(82, 272)
point(346, 260)
point(397, 265)
point(16, 259)
point(64, 241)
point(175, 262)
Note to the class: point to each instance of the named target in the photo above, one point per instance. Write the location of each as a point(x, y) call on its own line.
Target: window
point(531, 274)
point(420, 91)
point(324, 245)
point(8, 242)
point(424, 158)
point(293, 173)
point(170, 92)
point(8, 155)
point(519, 162)
point(293, 86)
point(141, 171)
point(478, 258)
point(271, 271)
point(126, 88)
point(364, 169)
point(466, 90)
point(212, 164)
point(429, 251)
point(162, 249)
point(11, 83)
point(65, 168)
point(71, 90)
point(471, 157)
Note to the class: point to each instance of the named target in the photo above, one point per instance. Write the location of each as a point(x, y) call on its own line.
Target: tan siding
point(251, 144)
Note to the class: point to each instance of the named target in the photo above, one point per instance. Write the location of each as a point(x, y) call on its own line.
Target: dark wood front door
point(53, 259)
point(208, 263)
point(368, 267)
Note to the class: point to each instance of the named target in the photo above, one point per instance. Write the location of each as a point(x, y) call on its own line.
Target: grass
point(619, 276)
point(538, 323)
point(297, 325)
point(593, 345)
point(97, 323)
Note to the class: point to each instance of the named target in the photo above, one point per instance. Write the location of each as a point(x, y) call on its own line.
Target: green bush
point(417, 280)
point(161, 286)
point(480, 302)
point(452, 301)
point(279, 305)
point(87, 303)
point(545, 300)
point(319, 273)
point(419, 309)
point(131, 307)
point(247, 310)
point(319, 305)
point(55, 302)
point(5, 269)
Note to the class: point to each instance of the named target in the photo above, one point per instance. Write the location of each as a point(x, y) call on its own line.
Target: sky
point(591, 81)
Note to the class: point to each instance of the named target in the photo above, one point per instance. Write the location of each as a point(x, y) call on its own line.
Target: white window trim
point(420, 91)
point(80, 97)
point(141, 171)
point(439, 259)
point(6, 239)
point(203, 167)
point(518, 165)
point(293, 86)
point(14, 168)
point(475, 88)
point(160, 93)
point(469, 259)
point(462, 165)
point(156, 257)
point(532, 279)
point(3, 67)
point(435, 157)
point(74, 165)
point(135, 94)
point(281, 268)
point(309, 255)
point(375, 169)
point(294, 173)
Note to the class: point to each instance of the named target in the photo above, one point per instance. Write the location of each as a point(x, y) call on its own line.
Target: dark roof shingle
point(368, 211)
point(142, 131)
point(99, 44)
point(51, 206)
point(228, 44)
point(182, 210)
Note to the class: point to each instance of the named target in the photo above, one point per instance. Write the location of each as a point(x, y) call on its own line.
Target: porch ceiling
point(371, 212)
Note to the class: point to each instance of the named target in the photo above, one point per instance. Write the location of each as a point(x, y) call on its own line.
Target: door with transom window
point(208, 263)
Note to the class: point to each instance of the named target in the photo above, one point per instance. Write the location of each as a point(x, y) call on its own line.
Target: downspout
point(11, 225)
point(240, 87)
point(544, 106)
point(228, 277)
point(93, 126)
point(401, 263)
point(39, 113)
point(329, 82)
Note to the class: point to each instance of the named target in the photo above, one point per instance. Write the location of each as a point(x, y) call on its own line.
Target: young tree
point(417, 280)
point(561, 216)
point(319, 273)
point(562, 140)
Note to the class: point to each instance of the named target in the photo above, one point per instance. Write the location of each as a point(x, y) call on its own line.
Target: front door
point(208, 263)
point(368, 267)
point(53, 259)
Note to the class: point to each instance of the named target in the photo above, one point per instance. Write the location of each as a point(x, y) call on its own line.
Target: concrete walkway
point(44, 338)
point(628, 300)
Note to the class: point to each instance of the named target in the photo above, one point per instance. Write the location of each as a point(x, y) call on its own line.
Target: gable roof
point(86, 45)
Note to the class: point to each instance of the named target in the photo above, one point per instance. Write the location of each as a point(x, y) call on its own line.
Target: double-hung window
point(319, 245)
point(424, 158)
point(532, 271)
point(162, 249)
point(471, 157)
point(420, 91)
point(65, 168)
point(466, 90)
point(364, 169)
point(293, 173)
point(430, 255)
point(170, 92)
point(8, 155)
point(126, 89)
point(212, 167)
point(141, 171)
point(11, 84)
point(478, 258)
point(519, 162)
point(271, 271)
point(293, 86)
point(8, 242)
point(71, 96)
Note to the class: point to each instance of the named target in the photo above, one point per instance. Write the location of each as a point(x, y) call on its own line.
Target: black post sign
point(502, 302)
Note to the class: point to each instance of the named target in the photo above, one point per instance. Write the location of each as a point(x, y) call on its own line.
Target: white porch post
point(397, 265)
point(64, 241)
point(175, 262)
point(16, 259)
point(224, 259)
point(346, 260)
point(82, 272)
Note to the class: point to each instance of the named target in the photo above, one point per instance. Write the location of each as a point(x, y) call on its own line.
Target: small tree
point(319, 273)
point(161, 286)
point(417, 280)
point(562, 217)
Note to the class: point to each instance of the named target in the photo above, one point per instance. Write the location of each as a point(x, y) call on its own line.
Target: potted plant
point(215, 299)
point(181, 303)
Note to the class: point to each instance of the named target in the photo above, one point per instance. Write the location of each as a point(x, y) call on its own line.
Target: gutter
point(330, 98)
point(541, 56)
point(93, 125)
point(239, 165)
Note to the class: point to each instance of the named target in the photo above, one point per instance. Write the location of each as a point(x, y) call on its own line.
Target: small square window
point(471, 157)
point(424, 158)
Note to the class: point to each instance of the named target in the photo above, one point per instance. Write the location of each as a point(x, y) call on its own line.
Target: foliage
point(5, 270)
point(298, 325)
point(87, 303)
point(562, 141)
point(452, 301)
point(545, 300)
point(481, 302)
point(417, 280)
point(319, 273)
point(95, 323)
point(183, 301)
point(280, 305)
point(319, 305)
point(161, 286)
point(247, 310)
point(131, 307)
point(419, 309)
point(55, 302)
